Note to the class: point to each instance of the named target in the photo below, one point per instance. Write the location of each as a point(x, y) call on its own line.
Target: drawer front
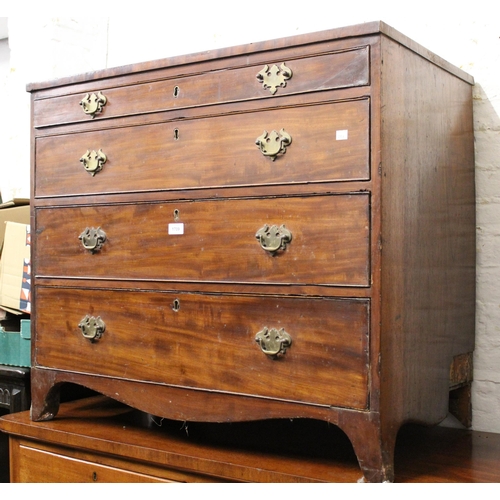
point(209, 342)
point(35, 465)
point(328, 142)
point(323, 72)
point(325, 240)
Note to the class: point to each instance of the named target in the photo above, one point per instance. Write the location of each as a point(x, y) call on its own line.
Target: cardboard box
point(20, 214)
point(15, 269)
point(15, 347)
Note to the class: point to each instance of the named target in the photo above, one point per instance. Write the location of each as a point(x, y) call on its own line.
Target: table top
point(272, 451)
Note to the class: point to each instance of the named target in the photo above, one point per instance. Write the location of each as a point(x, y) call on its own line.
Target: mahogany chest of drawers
point(280, 230)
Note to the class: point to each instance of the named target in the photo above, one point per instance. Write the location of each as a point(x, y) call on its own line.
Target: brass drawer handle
point(273, 342)
point(274, 77)
point(92, 239)
point(273, 144)
point(92, 328)
point(92, 104)
point(273, 238)
point(93, 161)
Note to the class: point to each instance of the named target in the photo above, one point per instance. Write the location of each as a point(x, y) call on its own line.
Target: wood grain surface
point(209, 342)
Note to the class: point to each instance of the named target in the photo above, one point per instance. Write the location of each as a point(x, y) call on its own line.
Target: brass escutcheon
point(93, 161)
point(92, 328)
point(273, 238)
point(274, 143)
point(92, 239)
point(274, 77)
point(92, 104)
point(273, 342)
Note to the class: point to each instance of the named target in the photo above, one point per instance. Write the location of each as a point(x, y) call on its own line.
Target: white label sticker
point(341, 135)
point(176, 228)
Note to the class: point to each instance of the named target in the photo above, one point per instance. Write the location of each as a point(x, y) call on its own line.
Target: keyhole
point(177, 214)
point(176, 134)
point(176, 305)
point(94, 476)
point(177, 91)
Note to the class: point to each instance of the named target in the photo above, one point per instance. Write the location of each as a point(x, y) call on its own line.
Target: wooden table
point(97, 439)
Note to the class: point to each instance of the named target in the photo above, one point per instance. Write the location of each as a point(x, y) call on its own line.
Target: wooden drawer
point(212, 241)
point(36, 463)
point(329, 142)
point(209, 342)
point(323, 72)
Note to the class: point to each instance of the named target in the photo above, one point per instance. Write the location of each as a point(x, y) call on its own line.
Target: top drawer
point(322, 72)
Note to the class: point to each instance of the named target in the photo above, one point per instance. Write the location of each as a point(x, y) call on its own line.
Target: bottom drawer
point(34, 462)
point(309, 350)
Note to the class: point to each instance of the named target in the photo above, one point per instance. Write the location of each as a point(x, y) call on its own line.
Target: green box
point(15, 347)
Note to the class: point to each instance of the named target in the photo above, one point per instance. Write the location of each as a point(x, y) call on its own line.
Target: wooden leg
point(45, 395)
point(460, 405)
point(375, 453)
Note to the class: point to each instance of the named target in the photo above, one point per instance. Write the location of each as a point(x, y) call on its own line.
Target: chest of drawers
point(281, 230)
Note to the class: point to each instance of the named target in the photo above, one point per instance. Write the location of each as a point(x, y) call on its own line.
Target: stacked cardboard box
point(15, 284)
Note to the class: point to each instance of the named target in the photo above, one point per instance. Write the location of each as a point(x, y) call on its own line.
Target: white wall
point(464, 33)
